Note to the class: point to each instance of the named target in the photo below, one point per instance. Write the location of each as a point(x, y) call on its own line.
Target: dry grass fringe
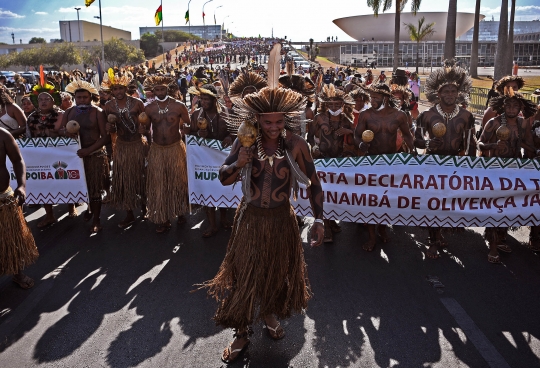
point(128, 176)
point(96, 168)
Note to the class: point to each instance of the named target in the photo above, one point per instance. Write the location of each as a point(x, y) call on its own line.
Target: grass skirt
point(166, 183)
point(17, 246)
point(128, 176)
point(264, 271)
point(96, 168)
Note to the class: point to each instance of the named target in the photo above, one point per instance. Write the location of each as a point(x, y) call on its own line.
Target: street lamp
point(13, 37)
point(223, 27)
point(78, 23)
point(215, 22)
point(204, 22)
point(101, 30)
point(189, 20)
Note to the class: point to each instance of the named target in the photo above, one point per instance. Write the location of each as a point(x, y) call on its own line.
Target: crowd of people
point(136, 119)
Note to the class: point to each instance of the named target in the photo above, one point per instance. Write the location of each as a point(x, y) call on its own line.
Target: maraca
point(439, 130)
point(73, 127)
point(202, 123)
point(143, 118)
point(367, 136)
point(247, 134)
point(503, 133)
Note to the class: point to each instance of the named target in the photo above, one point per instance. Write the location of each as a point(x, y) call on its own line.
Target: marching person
point(12, 118)
point(166, 183)
point(446, 88)
point(93, 138)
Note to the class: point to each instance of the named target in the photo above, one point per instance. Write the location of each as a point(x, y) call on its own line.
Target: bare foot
point(96, 227)
point(433, 251)
point(72, 211)
point(128, 221)
point(23, 280)
point(382, 233)
point(210, 232)
point(46, 222)
point(369, 245)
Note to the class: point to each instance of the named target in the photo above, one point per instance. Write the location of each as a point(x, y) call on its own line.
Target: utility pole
point(79, 23)
point(204, 22)
point(189, 19)
point(101, 29)
point(13, 37)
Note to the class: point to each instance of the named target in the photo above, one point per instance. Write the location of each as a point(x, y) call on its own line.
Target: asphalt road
point(124, 298)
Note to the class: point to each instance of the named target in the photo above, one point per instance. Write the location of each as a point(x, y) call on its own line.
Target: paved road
point(124, 298)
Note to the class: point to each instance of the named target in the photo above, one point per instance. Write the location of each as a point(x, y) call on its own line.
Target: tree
point(176, 36)
point(37, 40)
point(118, 53)
point(62, 54)
point(509, 50)
point(149, 44)
point(450, 42)
point(419, 34)
point(474, 46)
point(400, 5)
point(6, 60)
point(501, 42)
point(31, 57)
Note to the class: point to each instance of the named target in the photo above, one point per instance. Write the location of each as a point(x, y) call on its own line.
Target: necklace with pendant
point(132, 127)
point(166, 109)
point(262, 154)
point(447, 116)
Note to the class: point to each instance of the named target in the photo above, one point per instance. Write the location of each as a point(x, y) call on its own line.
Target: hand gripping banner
point(54, 172)
point(398, 189)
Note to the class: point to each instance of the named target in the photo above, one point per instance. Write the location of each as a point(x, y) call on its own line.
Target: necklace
point(165, 110)
point(211, 120)
point(132, 127)
point(447, 116)
point(261, 153)
point(81, 109)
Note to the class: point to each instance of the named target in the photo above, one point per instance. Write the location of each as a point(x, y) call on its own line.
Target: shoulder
point(4, 135)
point(295, 142)
point(492, 123)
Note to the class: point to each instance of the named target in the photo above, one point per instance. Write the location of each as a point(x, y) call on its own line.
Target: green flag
point(187, 16)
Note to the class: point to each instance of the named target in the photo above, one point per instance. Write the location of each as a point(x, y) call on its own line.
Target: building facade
point(208, 32)
point(83, 31)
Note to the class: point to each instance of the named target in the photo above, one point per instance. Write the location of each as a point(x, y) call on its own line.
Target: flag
point(203, 18)
point(187, 16)
point(159, 16)
point(215, 23)
point(88, 2)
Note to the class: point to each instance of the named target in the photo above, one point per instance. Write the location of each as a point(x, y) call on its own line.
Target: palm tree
point(510, 41)
point(419, 34)
point(500, 70)
point(400, 5)
point(474, 50)
point(450, 42)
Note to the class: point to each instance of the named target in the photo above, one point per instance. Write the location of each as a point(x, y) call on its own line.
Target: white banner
point(400, 189)
point(54, 172)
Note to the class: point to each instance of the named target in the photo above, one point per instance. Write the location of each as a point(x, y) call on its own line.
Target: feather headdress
point(396, 88)
point(501, 83)
point(299, 83)
point(528, 108)
point(244, 80)
point(201, 90)
point(449, 74)
point(45, 87)
point(331, 93)
point(384, 90)
point(157, 80)
point(359, 92)
point(80, 84)
point(268, 100)
point(113, 79)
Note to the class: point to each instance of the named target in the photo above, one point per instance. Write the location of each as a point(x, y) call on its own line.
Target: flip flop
point(230, 352)
point(494, 259)
point(25, 283)
point(504, 248)
point(275, 336)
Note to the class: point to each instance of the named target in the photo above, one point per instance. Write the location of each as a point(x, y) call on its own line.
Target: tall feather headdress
point(528, 108)
point(331, 93)
point(396, 88)
point(501, 83)
point(244, 80)
point(81, 84)
point(299, 83)
point(450, 74)
point(113, 79)
point(157, 80)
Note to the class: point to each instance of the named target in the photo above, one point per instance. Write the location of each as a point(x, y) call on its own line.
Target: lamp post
point(101, 29)
point(215, 22)
point(204, 22)
point(189, 20)
point(223, 27)
point(78, 23)
point(13, 37)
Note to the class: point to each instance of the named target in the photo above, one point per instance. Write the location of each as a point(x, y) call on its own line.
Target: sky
point(298, 20)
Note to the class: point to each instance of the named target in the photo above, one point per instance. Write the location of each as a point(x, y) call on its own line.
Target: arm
point(527, 142)
point(228, 173)
point(103, 136)
point(488, 115)
point(14, 155)
point(470, 135)
point(405, 131)
point(419, 139)
point(487, 136)
point(18, 115)
point(360, 127)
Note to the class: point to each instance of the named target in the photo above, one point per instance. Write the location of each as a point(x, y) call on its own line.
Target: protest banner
point(54, 172)
point(398, 189)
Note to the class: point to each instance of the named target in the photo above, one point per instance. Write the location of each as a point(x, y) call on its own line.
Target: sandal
point(25, 282)
point(494, 259)
point(160, 229)
point(209, 233)
point(226, 356)
point(47, 222)
point(504, 248)
point(124, 224)
point(276, 333)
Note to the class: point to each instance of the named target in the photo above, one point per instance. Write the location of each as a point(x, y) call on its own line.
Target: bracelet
point(427, 144)
point(318, 221)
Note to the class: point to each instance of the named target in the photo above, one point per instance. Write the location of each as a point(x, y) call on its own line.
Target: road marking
point(493, 358)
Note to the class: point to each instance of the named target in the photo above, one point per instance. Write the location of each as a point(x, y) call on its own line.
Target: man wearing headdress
point(128, 191)
point(166, 184)
point(12, 118)
point(46, 121)
point(361, 102)
point(446, 88)
point(93, 137)
point(385, 120)
point(17, 247)
point(208, 122)
point(403, 96)
point(510, 81)
point(505, 136)
point(263, 275)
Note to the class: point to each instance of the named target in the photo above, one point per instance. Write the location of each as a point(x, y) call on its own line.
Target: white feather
point(274, 64)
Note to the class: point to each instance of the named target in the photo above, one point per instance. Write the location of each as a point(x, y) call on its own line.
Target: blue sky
point(39, 18)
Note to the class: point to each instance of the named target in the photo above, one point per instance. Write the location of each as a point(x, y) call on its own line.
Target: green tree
point(37, 40)
point(62, 54)
point(450, 42)
point(149, 44)
point(89, 56)
point(399, 6)
point(420, 33)
point(136, 56)
point(32, 57)
point(118, 53)
point(176, 36)
point(474, 46)
point(6, 60)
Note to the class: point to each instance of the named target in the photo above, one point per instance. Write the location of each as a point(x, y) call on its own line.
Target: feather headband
point(384, 90)
point(47, 88)
point(331, 93)
point(244, 80)
point(199, 90)
point(396, 88)
point(359, 92)
point(528, 108)
point(158, 80)
point(501, 83)
point(111, 79)
point(80, 84)
point(449, 75)
point(299, 83)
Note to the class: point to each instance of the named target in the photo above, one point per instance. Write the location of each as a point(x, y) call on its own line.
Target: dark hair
point(81, 90)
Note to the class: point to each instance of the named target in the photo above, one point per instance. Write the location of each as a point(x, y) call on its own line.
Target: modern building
point(209, 32)
point(81, 31)
point(375, 44)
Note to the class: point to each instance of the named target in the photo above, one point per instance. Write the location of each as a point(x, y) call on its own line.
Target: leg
point(95, 206)
point(128, 221)
point(334, 226)
point(492, 239)
point(181, 220)
point(502, 232)
point(274, 328)
point(534, 239)
point(370, 244)
point(223, 219)
point(434, 242)
point(49, 217)
point(211, 217)
point(72, 210)
point(23, 280)
point(383, 234)
point(328, 238)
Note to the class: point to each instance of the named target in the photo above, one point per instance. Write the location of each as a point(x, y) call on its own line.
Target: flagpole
point(162, 34)
point(101, 30)
point(189, 20)
point(204, 23)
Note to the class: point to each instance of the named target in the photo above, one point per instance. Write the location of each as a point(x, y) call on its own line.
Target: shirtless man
point(12, 118)
point(166, 184)
point(46, 121)
point(93, 137)
point(17, 247)
point(216, 129)
point(384, 119)
point(508, 105)
point(129, 156)
point(510, 81)
point(444, 87)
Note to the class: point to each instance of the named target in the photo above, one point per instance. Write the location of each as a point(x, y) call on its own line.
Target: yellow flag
point(88, 2)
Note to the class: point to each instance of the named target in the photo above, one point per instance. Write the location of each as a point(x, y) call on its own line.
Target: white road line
point(474, 334)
